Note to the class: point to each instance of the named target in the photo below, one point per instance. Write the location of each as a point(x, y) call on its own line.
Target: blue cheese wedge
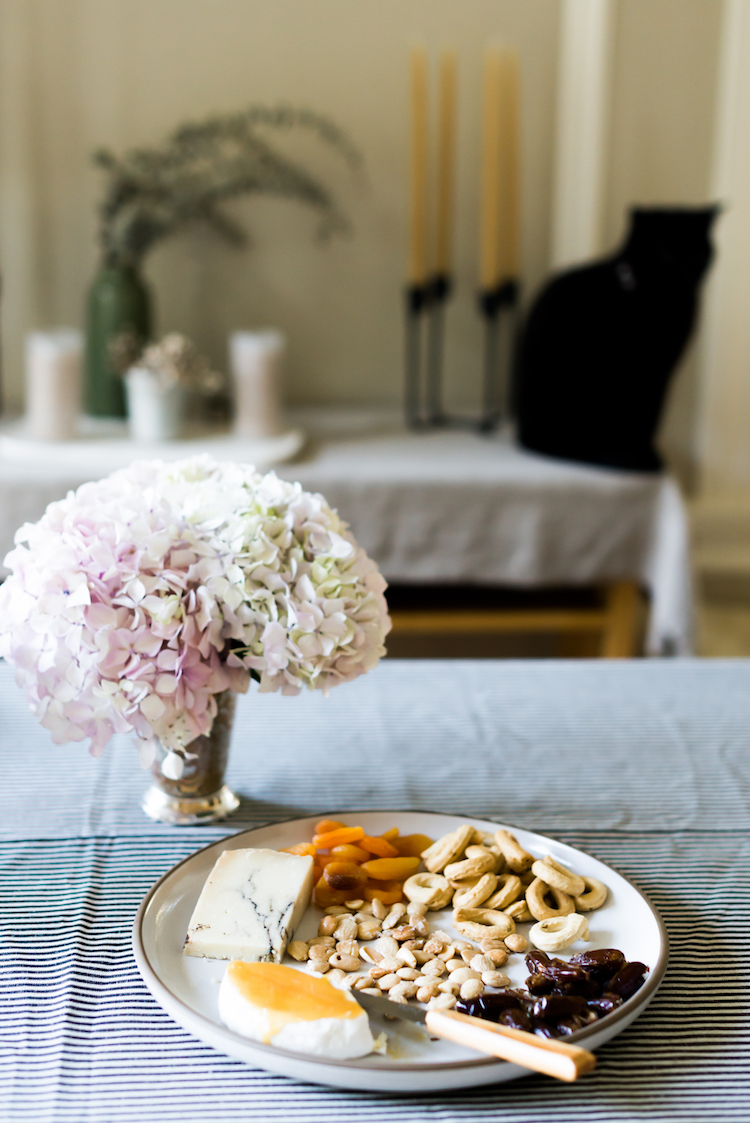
point(250, 906)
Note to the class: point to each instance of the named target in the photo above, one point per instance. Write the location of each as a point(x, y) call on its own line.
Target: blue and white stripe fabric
point(645, 766)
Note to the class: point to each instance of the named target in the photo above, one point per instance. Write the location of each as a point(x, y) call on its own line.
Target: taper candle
point(446, 157)
point(53, 383)
point(419, 157)
point(510, 172)
point(489, 268)
point(255, 361)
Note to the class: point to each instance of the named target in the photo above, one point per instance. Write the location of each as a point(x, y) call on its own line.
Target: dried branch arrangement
point(153, 193)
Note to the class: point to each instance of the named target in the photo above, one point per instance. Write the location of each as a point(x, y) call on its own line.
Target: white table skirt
point(451, 506)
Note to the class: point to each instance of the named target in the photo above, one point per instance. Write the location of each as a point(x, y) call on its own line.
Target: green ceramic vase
point(119, 302)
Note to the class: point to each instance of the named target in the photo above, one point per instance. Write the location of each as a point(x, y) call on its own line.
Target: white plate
point(187, 988)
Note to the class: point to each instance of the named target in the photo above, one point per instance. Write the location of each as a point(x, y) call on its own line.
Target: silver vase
point(199, 795)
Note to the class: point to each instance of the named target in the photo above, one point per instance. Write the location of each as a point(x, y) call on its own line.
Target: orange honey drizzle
point(289, 996)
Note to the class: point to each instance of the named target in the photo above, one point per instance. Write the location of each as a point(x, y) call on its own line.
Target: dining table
point(644, 764)
point(446, 506)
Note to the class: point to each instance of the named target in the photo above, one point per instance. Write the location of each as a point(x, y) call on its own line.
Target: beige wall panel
point(666, 60)
point(125, 72)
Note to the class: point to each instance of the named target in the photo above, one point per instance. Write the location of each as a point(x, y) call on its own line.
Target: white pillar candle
point(255, 362)
point(53, 383)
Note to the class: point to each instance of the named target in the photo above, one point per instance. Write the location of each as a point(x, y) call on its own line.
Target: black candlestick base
point(417, 302)
point(492, 304)
point(425, 337)
point(440, 291)
point(424, 352)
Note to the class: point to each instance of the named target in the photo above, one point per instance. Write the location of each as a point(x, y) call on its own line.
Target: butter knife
point(552, 1057)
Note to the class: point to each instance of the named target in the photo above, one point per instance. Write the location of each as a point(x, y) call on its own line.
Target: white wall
point(665, 77)
point(125, 72)
point(724, 405)
point(77, 73)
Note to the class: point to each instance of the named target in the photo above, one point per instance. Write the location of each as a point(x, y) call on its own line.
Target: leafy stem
point(153, 193)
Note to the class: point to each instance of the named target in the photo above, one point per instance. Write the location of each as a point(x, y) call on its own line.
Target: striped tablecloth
point(644, 765)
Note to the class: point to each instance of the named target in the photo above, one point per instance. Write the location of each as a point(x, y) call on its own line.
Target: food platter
point(187, 988)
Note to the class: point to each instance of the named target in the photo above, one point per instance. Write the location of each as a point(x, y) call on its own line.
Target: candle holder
point(425, 336)
point(425, 319)
point(440, 294)
point(498, 351)
point(417, 304)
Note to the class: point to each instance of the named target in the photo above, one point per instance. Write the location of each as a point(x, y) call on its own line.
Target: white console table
point(452, 506)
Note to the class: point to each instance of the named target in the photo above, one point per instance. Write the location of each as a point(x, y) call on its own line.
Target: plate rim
point(642, 997)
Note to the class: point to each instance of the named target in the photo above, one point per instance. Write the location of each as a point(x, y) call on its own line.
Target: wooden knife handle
point(555, 1058)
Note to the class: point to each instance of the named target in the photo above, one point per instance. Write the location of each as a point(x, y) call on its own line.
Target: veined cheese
point(250, 906)
point(292, 1010)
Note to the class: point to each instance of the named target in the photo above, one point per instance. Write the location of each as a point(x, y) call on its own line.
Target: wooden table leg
point(620, 633)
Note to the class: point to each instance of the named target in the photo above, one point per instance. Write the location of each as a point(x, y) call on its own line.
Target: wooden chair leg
point(620, 632)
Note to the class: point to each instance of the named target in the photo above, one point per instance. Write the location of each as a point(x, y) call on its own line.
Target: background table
point(452, 506)
point(643, 764)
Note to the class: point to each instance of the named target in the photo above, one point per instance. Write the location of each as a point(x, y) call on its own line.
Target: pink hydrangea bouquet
point(137, 599)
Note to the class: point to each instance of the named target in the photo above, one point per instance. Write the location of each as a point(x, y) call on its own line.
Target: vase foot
point(189, 811)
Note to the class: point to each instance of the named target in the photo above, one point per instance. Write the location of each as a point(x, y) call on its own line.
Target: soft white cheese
point(264, 1013)
point(250, 906)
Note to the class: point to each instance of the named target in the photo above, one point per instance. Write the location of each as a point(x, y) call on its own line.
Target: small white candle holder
point(255, 363)
point(155, 411)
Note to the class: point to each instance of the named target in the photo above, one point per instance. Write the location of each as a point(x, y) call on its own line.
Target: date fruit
point(563, 995)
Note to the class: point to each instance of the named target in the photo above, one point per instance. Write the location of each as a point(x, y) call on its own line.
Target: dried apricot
point(379, 846)
point(344, 875)
point(412, 845)
point(350, 853)
point(327, 825)
point(324, 896)
point(301, 848)
point(337, 837)
point(390, 835)
point(391, 869)
point(389, 892)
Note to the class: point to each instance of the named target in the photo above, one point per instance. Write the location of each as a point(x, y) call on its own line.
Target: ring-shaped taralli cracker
point(470, 867)
point(519, 910)
point(539, 908)
point(483, 924)
point(518, 859)
point(489, 847)
point(509, 890)
point(593, 897)
point(559, 932)
point(472, 894)
point(557, 876)
point(447, 849)
point(429, 889)
point(499, 859)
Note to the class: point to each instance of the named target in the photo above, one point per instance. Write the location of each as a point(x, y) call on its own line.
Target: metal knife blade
point(383, 1006)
